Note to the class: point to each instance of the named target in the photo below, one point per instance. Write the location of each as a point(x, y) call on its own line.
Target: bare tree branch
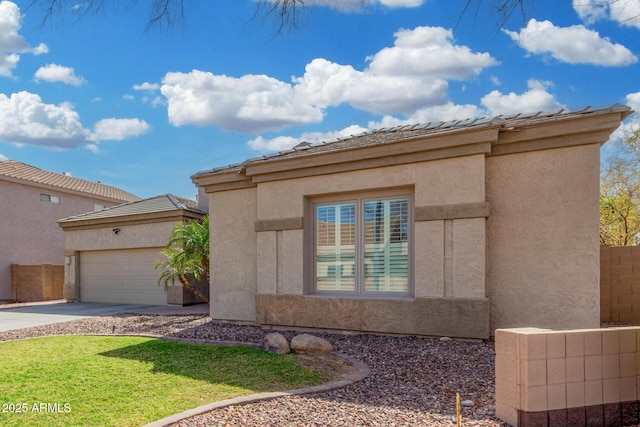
point(286, 14)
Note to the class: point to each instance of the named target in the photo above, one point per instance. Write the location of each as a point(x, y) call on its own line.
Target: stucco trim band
point(457, 211)
point(295, 223)
point(452, 317)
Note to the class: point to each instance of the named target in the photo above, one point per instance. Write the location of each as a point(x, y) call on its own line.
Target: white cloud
point(118, 129)
point(429, 51)
point(421, 59)
point(326, 84)
point(631, 123)
point(13, 44)
point(285, 142)
point(358, 5)
point(537, 98)
point(149, 98)
point(26, 119)
point(58, 73)
point(252, 103)
point(146, 86)
point(128, 97)
point(401, 3)
point(575, 44)
point(3, 157)
point(624, 12)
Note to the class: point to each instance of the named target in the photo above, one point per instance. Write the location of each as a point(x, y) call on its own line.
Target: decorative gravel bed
point(413, 381)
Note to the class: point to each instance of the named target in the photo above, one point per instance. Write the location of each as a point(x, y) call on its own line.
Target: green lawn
point(130, 381)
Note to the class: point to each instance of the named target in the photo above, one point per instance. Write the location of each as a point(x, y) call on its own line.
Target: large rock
point(309, 344)
point(275, 343)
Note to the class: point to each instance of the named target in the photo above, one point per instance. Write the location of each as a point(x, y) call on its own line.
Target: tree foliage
point(186, 256)
point(620, 196)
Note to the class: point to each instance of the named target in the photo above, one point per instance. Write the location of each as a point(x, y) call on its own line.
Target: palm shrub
point(186, 256)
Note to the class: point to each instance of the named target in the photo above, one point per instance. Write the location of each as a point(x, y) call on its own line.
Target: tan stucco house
point(450, 229)
point(110, 255)
point(31, 202)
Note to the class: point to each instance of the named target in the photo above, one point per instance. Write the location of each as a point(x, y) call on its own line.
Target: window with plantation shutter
point(362, 246)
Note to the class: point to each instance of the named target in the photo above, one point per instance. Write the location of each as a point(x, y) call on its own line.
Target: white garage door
point(125, 276)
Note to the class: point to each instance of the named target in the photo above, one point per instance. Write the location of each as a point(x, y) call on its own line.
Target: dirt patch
point(331, 367)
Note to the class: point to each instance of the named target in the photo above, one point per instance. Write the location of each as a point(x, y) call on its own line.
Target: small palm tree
point(186, 255)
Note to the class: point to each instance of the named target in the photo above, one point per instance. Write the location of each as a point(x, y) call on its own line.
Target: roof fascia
point(563, 132)
point(145, 218)
point(400, 152)
point(60, 190)
point(222, 181)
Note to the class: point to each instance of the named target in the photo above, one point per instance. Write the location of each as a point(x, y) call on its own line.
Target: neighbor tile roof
point(21, 171)
point(163, 203)
point(407, 132)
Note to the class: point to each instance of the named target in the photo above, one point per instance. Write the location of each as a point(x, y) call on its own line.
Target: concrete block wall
point(620, 284)
point(568, 378)
point(30, 283)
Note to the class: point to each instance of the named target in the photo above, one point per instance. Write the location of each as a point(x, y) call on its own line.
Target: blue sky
point(103, 99)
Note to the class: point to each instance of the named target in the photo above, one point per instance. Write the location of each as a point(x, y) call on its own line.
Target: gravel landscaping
point(413, 381)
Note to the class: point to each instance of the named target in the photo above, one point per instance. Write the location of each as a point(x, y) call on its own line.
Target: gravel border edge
point(362, 373)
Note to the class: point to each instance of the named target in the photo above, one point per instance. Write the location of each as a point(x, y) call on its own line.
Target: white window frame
point(359, 267)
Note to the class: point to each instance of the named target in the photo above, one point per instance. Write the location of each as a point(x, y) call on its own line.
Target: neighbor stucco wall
point(542, 238)
point(29, 233)
point(233, 254)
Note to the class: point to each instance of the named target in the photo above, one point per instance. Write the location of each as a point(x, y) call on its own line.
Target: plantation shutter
point(386, 246)
point(336, 247)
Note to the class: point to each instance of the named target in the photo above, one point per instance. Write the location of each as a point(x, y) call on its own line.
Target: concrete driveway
point(44, 314)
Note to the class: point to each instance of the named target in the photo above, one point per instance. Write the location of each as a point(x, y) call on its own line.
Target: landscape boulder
point(275, 343)
point(309, 344)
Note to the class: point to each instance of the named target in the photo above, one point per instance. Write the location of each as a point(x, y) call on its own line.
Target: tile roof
point(23, 172)
point(157, 204)
point(407, 132)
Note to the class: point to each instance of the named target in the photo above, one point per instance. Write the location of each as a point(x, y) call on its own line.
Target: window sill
point(363, 297)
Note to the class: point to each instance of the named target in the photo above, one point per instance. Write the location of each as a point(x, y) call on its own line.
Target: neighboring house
point(31, 202)
point(111, 254)
point(449, 229)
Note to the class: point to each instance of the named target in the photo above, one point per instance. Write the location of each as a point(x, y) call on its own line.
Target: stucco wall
point(435, 183)
point(543, 249)
point(128, 237)
point(29, 233)
point(449, 253)
point(439, 182)
point(272, 262)
point(233, 254)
